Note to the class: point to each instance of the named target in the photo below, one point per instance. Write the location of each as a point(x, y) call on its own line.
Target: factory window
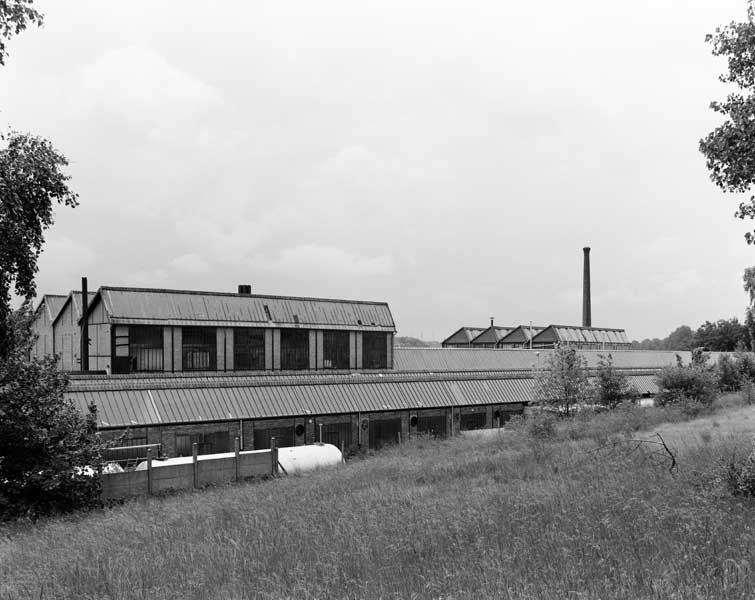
point(145, 348)
point(476, 420)
point(374, 350)
point(335, 349)
point(248, 349)
point(214, 442)
point(199, 349)
point(384, 432)
point(284, 437)
point(338, 434)
point(434, 426)
point(294, 349)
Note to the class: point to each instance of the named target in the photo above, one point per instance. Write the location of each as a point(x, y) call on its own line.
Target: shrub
point(739, 475)
point(748, 392)
point(541, 425)
point(563, 384)
point(611, 387)
point(728, 373)
point(689, 385)
point(746, 365)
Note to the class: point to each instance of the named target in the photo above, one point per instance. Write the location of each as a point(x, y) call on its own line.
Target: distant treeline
point(720, 336)
point(403, 340)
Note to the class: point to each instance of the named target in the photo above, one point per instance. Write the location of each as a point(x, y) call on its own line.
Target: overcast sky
point(450, 158)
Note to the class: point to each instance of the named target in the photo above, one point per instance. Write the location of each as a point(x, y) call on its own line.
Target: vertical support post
point(399, 438)
point(149, 471)
point(273, 457)
point(343, 459)
point(84, 350)
point(320, 425)
point(236, 462)
point(194, 461)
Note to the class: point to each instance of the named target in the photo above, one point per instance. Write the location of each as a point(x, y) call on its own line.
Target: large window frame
point(145, 348)
point(336, 350)
point(248, 349)
point(199, 349)
point(294, 349)
point(374, 350)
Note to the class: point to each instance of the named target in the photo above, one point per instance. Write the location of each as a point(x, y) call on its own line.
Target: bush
point(611, 387)
point(728, 373)
point(541, 425)
point(746, 365)
point(689, 385)
point(739, 475)
point(748, 392)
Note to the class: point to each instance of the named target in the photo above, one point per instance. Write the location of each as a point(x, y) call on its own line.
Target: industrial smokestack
point(84, 354)
point(586, 308)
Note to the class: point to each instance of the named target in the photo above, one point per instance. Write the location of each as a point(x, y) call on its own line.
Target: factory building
point(581, 338)
point(44, 315)
point(462, 337)
point(519, 337)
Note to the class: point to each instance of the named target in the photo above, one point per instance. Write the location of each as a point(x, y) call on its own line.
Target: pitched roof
point(521, 334)
point(575, 334)
point(52, 303)
point(463, 335)
point(492, 335)
point(184, 307)
point(75, 297)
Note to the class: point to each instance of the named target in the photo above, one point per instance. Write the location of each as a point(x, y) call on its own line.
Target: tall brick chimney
point(586, 308)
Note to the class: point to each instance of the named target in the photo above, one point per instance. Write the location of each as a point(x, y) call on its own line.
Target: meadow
point(585, 513)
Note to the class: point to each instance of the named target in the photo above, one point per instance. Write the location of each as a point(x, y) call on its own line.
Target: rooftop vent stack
point(245, 289)
point(84, 354)
point(586, 308)
point(491, 321)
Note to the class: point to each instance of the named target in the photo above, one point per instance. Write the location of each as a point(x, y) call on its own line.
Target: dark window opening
point(434, 426)
point(472, 421)
point(374, 350)
point(338, 434)
point(335, 349)
point(294, 349)
point(284, 437)
point(207, 443)
point(384, 431)
point(128, 451)
point(199, 349)
point(248, 349)
point(145, 347)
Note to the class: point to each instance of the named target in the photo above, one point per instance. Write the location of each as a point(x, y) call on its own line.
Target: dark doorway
point(434, 426)
point(284, 437)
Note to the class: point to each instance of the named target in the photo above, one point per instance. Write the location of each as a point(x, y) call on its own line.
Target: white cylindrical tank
point(297, 459)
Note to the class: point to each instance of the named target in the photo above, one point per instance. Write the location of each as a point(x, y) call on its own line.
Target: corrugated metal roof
point(520, 335)
point(123, 408)
point(52, 304)
point(589, 335)
point(505, 359)
point(127, 408)
point(177, 307)
point(463, 335)
point(492, 335)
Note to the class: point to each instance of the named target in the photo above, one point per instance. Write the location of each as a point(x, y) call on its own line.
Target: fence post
point(399, 438)
point(194, 450)
point(149, 471)
point(236, 444)
point(273, 457)
point(320, 424)
point(343, 460)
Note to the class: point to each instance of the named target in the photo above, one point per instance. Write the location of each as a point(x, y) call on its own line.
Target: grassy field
point(587, 515)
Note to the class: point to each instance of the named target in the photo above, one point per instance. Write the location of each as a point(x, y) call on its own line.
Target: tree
point(722, 336)
point(46, 443)
point(563, 384)
point(730, 148)
point(686, 385)
point(15, 15)
point(682, 338)
point(611, 386)
point(31, 179)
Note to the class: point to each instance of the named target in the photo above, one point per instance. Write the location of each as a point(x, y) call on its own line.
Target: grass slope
point(502, 517)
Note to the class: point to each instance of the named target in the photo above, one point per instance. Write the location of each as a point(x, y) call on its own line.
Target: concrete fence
point(190, 473)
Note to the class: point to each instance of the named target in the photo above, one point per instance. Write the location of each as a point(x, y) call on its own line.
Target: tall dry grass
point(505, 517)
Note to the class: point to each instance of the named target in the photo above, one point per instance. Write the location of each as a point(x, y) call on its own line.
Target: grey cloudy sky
point(451, 158)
